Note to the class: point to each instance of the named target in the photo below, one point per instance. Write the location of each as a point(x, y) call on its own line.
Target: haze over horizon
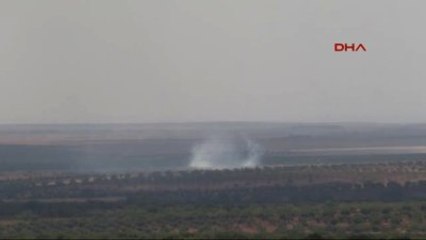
point(211, 61)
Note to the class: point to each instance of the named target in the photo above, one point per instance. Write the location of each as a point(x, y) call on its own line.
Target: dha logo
point(354, 47)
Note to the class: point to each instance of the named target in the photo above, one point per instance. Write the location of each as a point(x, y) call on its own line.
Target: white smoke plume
point(221, 153)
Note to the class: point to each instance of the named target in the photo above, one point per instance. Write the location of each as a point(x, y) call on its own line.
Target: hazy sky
point(238, 60)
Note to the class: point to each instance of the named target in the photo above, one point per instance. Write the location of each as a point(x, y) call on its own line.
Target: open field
point(151, 147)
point(139, 181)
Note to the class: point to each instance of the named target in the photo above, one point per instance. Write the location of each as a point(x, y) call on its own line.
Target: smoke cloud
point(221, 153)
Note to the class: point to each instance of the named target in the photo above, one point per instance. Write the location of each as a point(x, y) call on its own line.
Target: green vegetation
point(341, 201)
point(331, 220)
